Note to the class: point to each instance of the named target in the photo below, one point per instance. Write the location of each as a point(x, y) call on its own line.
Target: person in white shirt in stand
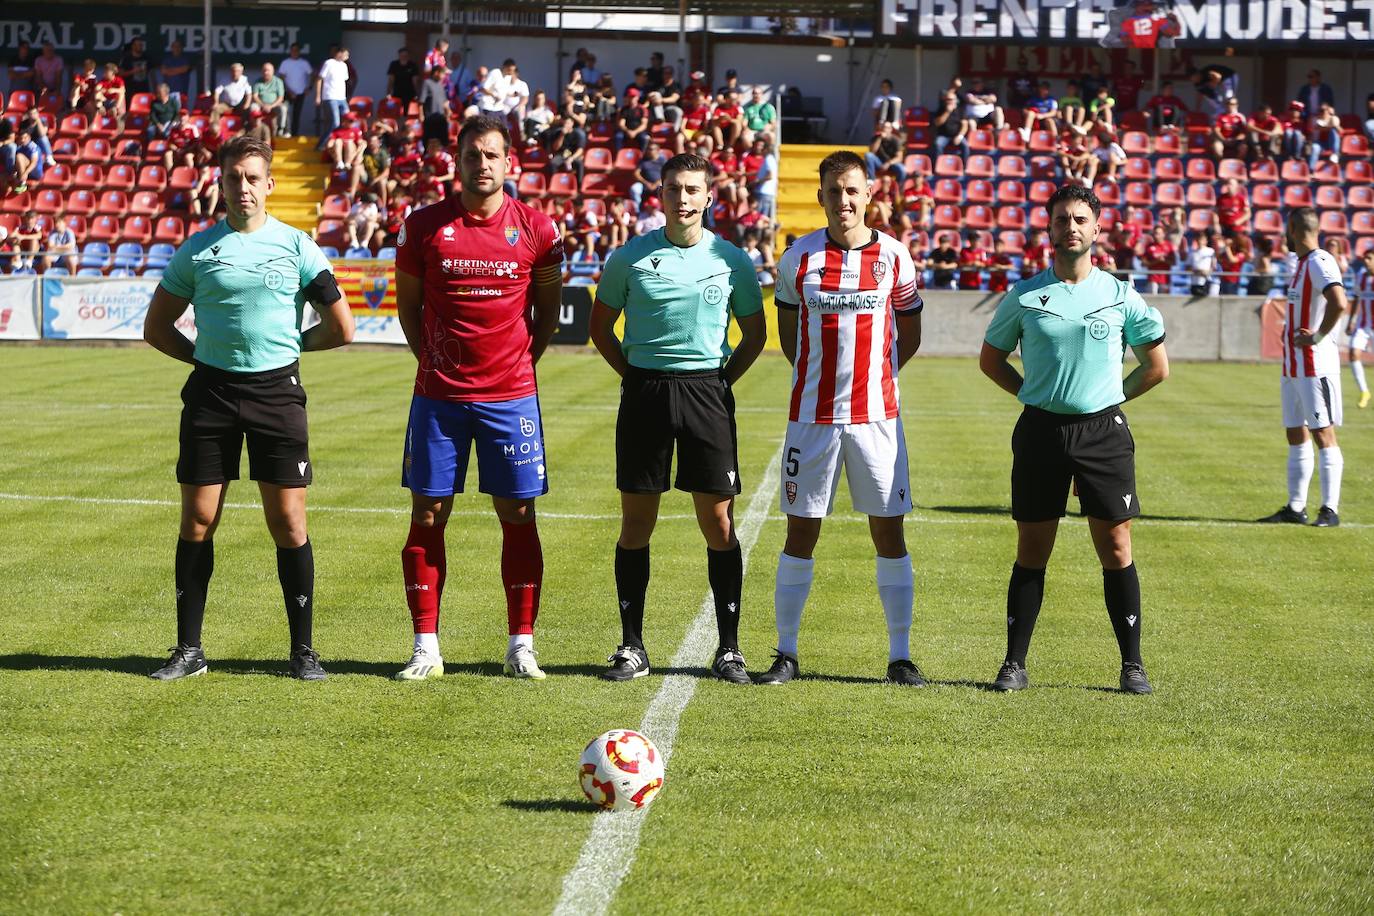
point(517, 97)
point(496, 88)
point(887, 108)
point(1202, 262)
point(233, 97)
point(295, 71)
point(331, 91)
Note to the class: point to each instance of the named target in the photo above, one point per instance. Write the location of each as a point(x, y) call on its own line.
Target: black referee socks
point(1121, 590)
point(725, 572)
point(296, 570)
point(195, 563)
point(1025, 592)
point(631, 585)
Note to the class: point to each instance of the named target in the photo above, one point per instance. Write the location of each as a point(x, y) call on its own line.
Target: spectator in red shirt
point(728, 120)
point(696, 117)
point(918, 202)
point(82, 96)
point(999, 268)
point(1294, 130)
point(1126, 87)
point(1266, 133)
point(440, 160)
point(972, 260)
point(1231, 256)
point(1233, 207)
point(109, 96)
point(1166, 110)
point(1035, 257)
point(346, 144)
point(1158, 255)
point(183, 140)
point(729, 179)
point(1229, 132)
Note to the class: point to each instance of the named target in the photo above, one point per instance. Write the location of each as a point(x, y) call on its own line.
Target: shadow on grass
point(569, 805)
point(1005, 511)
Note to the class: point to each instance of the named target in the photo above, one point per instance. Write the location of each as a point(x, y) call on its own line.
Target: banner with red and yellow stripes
point(369, 286)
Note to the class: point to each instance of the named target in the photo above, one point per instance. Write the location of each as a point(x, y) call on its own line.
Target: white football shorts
point(873, 456)
point(1312, 401)
point(1362, 339)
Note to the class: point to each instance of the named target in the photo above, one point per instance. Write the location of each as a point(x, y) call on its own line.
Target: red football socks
point(423, 565)
point(522, 572)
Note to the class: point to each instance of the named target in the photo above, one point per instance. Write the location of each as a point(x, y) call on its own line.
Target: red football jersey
point(1230, 126)
point(479, 278)
point(972, 260)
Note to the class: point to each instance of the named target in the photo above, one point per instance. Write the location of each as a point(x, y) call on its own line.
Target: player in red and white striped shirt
point(1311, 383)
point(1361, 327)
point(849, 316)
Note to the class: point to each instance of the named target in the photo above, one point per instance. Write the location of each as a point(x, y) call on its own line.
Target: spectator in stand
point(591, 74)
point(639, 85)
point(175, 70)
point(135, 67)
point(632, 123)
point(583, 266)
point(648, 175)
point(650, 217)
point(163, 114)
point(1036, 254)
point(296, 73)
point(538, 118)
point(1215, 84)
point(1314, 93)
point(567, 149)
point(269, 100)
point(1262, 270)
point(944, 261)
point(980, 108)
point(1265, 133)
point(887, 107)
point(1202, 263)
point(437, 56)
point(1158, 256)
point(729, 180)
point(84, 81)
point(1294, 131)
point(761, 176)
point(48, 68)
point(1071, 106)
point(1021, 85)
point(364, 219)
point(1076, 161)
point(655, 70)
point(1041, 113)
point(1102, 108)
point(1324, 140)
point(491, 98)
point(28, 239)
point(1127, 86)
point(696, 115)
point(204, 197)
point(517, 98)
point(403, 78)
point(605, 103)
point(61, 246)
point(671, 91)
point(461, 83)
point(441, 162)
point(886, 196)
point(22, 75)
point(234, 97)
point(1228, 136)
point(576, 107)
point(761, 118)
point(949, 127)
point(918, 203)
point(619, 223)
point(433, 97)
point(1233, 207)
point(183, 141)
point(1093, 80)
point(1339, 248)
point(1108, 156)
point(885, 153)
point(999, 268)
point(731, 85)
point(345, 145)
point(728, 119)
point(38, 133)
point(761, 257)
point(110, 97)
point(373, 173)
point(9, 159)
point(972, 259)
point(1369, 115)
point(1166, 110)
point(331, 91)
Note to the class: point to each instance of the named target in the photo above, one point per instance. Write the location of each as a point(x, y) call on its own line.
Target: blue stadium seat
point(128, 256)
point(359, 252)
point(386, 254)
point(329, 251)
point(121, 272)
point(57, 271)
point(152, 272)
point(90, 272)
point(160, 255)
point(24, 272)
point(94, 255)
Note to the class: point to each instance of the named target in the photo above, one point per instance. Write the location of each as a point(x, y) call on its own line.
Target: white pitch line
point(609, 850)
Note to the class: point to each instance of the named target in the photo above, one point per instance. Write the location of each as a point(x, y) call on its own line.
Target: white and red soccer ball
point(621, 771)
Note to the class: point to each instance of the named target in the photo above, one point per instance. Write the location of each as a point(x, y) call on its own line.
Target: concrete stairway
point(301, 181)
point(798, 212)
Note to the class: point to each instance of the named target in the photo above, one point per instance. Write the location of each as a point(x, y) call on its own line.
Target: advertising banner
point(94, 308)
point(370, 288)
point(1137, 23)
point(18, 308)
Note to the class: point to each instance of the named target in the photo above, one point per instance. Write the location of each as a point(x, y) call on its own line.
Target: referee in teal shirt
point(1073, 323)
point(678, 288)
point(249, 278)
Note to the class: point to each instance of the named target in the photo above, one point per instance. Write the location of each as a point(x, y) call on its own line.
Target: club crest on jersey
point(791, 487)
point(512, 235)
point(879, 271)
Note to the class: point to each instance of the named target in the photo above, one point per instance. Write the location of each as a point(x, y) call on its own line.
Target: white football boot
point(422, 666)
point(520, 663)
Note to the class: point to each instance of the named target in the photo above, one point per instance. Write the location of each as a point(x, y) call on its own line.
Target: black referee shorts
point(1094, 450)
point(223, 408)
point(695, 411)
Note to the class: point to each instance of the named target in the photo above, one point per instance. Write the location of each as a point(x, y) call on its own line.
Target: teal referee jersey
point(1073, 338)
point(248, 292)
point(678, 301)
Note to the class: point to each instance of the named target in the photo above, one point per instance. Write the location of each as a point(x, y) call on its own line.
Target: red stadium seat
point(1144, 218)
point(121, 176)
point(1268, 222)
point(334, 206)
point(1363, 243)
point(1231, 168)
point(103, 227)
point(1355, 146)
point(601, 133)
point(1108, 193)
point(1264, 170)
point(140, 103)
point(151, 178)
point(58, 176)
point(918, 138)
point(1041, 192)
point(1168, 145)
point(1359, 172)
point(531, 184)
point(390, 107)
point(1140, 194)
point(1109, 218)
point(562, 184)
point(1044, 168)
point(534, 158)
point(1333, 222)
point(73, 125)
point(1011, 193)
point(48, 200)
point(1201, 194)
point(916, 116)
point(1136, 143)
point(1012, 167)
point(949, 166)
point(1137, 169)
point(104, 126)
point(115, 203)
point(980, 166)
point(1011, 218)
point(97, 150)
point(1362, 223)
point(137, 228)
point(1197, 122)
point(947, 191)
point(21, 100)
point(982, 140)
point(597, 159)
point(1265, 196)
point(626, 160)
point(1013, 239)
point(1132, 121)
point(361, 105)
point(1169, 194)
point(1297, 195)
point(146, 203)
point(1295, 170)
point(919, 164)
point(1169, 169)
point(1330, 197)
point(66, 150)
point(88, 175)
point(229, 125)
point(598, 184)
point(1043, 141)
point(1009, 141)
point(330, 232)
point(1327, 172)
point(1357, 197)
point(979, 192)
point(1200, 170)
point(182, 178)
point(170, 229)
point(948, 216)
point(1199, 220)
point(81, 202)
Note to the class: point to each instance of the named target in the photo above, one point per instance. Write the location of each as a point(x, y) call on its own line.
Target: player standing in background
point(1073, 323)
point(478, 283)
point(849, 317)
point(678, 287)
point(1361, 326)
point(249, 278)
point(1310, 388)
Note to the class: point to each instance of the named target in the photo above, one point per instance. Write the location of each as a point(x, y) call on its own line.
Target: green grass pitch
point(1242, 785)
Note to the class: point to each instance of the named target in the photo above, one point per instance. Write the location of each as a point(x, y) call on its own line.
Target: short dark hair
point(839, 162)
point(482, 125)
point(1071, 192)
point(685, 162)
point(1304, 218)
point(243, 147)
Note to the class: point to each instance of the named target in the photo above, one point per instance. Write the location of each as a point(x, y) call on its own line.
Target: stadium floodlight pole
point(443, 21)
point(207, 67)
point(682, 37)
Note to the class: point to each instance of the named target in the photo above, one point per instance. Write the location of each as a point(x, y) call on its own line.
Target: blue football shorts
point(510, 447)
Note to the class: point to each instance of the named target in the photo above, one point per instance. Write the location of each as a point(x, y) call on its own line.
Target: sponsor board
point(92, 308)
point(19, 308)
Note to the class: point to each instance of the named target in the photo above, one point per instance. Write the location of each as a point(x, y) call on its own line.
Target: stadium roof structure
point(847, 9)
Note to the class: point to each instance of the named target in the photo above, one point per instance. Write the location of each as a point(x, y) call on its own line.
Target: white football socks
point(897, 591)
point(1332, 464)
point(1357, 370)
point(791, 587)
point(429, 642)
point(520, 639)
point(1299, 475)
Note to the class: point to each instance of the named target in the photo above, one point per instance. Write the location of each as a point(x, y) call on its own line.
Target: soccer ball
point(621, 771)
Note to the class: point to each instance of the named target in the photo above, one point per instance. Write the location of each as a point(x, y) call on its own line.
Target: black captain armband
point(323, 290)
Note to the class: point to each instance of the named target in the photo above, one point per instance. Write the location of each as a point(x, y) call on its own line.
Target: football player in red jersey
point(478, 284)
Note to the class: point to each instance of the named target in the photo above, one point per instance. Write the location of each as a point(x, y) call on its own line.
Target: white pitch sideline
point(609, 851)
